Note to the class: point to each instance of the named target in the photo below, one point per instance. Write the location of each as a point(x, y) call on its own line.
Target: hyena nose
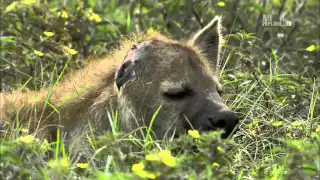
point(226, 120)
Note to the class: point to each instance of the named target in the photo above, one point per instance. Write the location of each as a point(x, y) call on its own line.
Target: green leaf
point(128, 22)
point(276, 2)
point(309, 169)
point(257, 6)
point(7, 39)
point(245, 83)
point(296, 144)
point(4, 149)
point(11, 7)
point(92, 3)
point(113, 5)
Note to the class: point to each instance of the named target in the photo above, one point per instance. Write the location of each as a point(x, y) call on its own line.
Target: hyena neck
point(109, 108)
point(127, 114)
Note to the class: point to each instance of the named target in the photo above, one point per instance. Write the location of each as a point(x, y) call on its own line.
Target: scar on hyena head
point(134, 54)
point(130, 55)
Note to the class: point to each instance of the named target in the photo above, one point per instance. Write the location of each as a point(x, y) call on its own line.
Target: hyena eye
point(178, 94)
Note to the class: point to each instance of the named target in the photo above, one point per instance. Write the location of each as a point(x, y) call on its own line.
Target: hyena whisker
point(172, 129)
point(47, 126)
point(93, 158)
point(190, 124)
point(143, 100)
point(137, 122)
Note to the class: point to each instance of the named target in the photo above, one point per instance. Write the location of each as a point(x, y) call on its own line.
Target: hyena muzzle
point(152, 72)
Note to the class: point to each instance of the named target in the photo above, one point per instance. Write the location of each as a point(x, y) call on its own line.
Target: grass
point(280, 122)
point(278, 139)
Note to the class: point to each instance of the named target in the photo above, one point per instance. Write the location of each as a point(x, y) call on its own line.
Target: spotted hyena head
point(182, 78)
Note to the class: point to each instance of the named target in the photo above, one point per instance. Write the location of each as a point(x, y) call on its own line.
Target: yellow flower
point(142, 174)
point(93, 16)
point(47, 33)
point(145, 174)
point(24, 130)
point(83, 165)
point(38, 53)
point(27, 139)
point(164, 153)
point(63, 14)
point(215, 164)
point(169, 161)
point(45, 145)
point(221, 4)
point(152, 157)
point(69, 50)
point(274, 178)
point(318, 129)
point(138, 167)
point(64, 163)
point(150, 31)
point(11, 6)
point(28, 2)
point(252, 132)
point(167, 158)
point(194, 133)
point(311, 48)
point(220, 149)
point(297, 123)
point(288, 135)
point(52, 163)
point(151, 176)
point(277, 124)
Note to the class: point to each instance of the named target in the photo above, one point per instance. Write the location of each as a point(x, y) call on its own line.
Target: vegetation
point(270, 73)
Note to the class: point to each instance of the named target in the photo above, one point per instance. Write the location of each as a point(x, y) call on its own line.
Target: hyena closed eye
point(135, 81)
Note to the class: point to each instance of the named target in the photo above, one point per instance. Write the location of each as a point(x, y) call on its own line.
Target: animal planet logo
point(267, 21)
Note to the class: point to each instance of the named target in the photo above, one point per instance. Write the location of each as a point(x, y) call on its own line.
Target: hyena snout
point(223, 119)
point(213, 116)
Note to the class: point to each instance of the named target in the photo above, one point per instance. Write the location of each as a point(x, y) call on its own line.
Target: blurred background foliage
point(40, 38)
point(271, 73)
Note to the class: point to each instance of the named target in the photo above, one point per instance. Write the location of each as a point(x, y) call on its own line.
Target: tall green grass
point(279, 106)
point(278, 139)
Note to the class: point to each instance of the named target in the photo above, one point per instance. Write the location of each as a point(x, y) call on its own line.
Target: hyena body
point(135, 81)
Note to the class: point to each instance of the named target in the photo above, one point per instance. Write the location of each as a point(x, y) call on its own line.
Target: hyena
point(147, 74)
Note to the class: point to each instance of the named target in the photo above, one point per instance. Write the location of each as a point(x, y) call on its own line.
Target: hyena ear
point(124, 74)
point(209, 41)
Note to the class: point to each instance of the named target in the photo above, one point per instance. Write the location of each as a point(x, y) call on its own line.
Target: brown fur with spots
point(182, 77)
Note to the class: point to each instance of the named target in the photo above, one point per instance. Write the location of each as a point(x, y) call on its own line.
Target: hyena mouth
point(225, 133)
point(227, 121)
point(228, 133)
